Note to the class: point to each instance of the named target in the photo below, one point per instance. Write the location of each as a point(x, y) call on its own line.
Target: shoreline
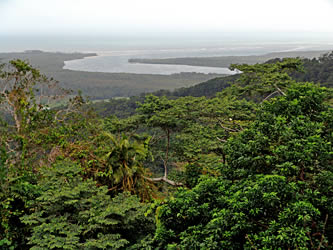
point(225, 61)
point(99, 85)
point(158, 63)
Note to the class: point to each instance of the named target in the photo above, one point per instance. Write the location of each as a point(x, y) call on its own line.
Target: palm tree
point(124, 166)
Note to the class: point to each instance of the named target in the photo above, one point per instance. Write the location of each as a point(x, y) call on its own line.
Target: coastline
point(225, 61)
point(97, 85)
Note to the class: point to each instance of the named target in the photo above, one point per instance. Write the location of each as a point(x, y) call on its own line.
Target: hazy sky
point(107, 17)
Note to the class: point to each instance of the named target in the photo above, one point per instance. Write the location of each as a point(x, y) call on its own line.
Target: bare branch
point(281, 92)
point(164, 179)
point(226, 128)
point(267, 97)
point(221, 140)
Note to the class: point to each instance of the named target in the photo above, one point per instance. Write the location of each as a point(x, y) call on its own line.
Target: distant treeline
point(318, 70)
point(225, 61)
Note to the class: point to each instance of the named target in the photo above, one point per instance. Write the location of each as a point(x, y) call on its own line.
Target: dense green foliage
point(273, 190)
point(35, 138)
point(317, 70)
point(74, 214)
point(249, 168)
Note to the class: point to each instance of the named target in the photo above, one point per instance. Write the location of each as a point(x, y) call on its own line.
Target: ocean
point(113, 53)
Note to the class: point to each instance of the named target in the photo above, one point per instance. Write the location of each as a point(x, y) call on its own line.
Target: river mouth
point(120, 64)
point(117, 61)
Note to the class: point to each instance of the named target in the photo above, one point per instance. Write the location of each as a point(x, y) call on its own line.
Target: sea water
point(113, 53)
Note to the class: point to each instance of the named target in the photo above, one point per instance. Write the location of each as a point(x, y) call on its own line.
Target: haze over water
point(115, 60)
point(114, 52)
point(238, 27)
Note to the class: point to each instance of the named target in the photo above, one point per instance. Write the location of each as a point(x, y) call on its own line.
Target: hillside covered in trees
point(248, 167)
point(317, 70)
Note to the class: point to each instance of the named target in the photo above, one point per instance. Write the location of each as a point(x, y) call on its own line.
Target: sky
point(112, 17)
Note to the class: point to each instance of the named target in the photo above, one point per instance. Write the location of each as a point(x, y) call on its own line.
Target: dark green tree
point(272, 192)
point(72, 213)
